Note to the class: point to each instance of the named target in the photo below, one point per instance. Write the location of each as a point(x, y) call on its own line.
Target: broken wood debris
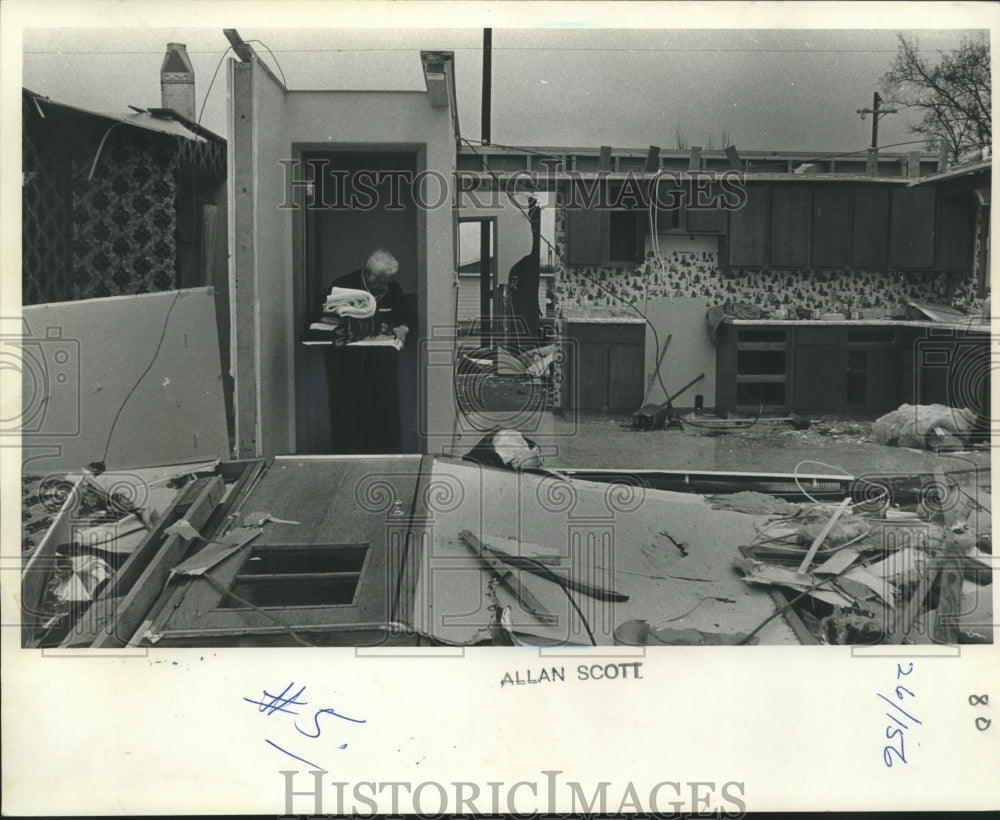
point(897, 579)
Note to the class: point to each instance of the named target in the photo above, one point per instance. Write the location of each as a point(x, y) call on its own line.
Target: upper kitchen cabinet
point(870, 229)
point(749, 229)
point(831, 224)
point(911, 235)
point(790, 215)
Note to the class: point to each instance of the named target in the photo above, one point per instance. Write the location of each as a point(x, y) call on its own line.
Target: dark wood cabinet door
point(957, 234)
point(749, 230)
point(586, 237)
point(790, 211)
point(592, 377)
point(911, 237)
point(831, 228)
point(625, 370)
point(818, 380)
point(870, 231)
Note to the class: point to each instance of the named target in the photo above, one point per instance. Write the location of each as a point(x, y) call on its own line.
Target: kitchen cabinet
point(749, 229)
point(816, 368)
point(911, 243)
point(870, 229)
point(752, 369)
point(831, 224)
point(604, 368)
point(819, 369)
point(790, 214)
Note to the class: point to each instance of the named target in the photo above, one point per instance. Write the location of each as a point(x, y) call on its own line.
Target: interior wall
point(274, 282)
point(347, 236)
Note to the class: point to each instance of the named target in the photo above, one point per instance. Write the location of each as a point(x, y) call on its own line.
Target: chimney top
point(176, 66)
point(177, 80)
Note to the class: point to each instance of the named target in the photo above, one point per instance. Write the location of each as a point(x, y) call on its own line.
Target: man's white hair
point(381, 261)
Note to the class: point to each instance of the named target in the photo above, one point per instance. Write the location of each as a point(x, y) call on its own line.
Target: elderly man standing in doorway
point(362, 380)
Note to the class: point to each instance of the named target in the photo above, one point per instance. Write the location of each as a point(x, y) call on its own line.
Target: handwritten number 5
point(325, 712)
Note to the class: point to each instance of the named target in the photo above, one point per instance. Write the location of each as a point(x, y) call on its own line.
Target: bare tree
point(953, 94)
point(680, 137)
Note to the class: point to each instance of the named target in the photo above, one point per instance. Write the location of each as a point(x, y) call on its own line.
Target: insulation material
point(924, 426)
point(80, 360)
point(754, 503)
point(607, 534)
point(845, 529)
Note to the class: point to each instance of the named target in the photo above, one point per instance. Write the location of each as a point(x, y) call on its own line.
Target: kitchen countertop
point(604, 320)
point(973, 324)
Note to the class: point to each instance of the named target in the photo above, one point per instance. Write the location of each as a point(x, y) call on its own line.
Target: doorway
point(361, 200)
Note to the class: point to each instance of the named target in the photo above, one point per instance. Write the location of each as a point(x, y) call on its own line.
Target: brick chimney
point(177, 81)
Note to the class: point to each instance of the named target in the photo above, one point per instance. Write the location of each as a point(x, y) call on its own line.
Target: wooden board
point(87, 356)
point(194, 505)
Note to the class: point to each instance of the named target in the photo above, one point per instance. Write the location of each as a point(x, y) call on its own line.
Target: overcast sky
point(767, 89)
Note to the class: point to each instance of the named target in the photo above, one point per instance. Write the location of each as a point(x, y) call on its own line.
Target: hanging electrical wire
point(631, 305)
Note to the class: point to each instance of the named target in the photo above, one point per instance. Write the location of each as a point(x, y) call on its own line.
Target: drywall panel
point(689, 353)
point(84, 365)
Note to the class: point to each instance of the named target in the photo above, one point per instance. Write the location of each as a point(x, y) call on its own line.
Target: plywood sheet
point(610, 536)
point(80, 360)
point(689, 353)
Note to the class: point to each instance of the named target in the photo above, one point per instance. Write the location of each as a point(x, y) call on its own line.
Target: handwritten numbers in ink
point(902, 719)
point(982, 723)
point(280, 704)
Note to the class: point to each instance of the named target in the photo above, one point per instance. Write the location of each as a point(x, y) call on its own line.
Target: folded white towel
point(357, 304)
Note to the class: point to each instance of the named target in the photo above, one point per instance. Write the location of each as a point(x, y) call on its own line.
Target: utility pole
point(485, 243)
point(876, 111)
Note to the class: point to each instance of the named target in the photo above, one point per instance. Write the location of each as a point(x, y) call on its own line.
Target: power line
point(533, 49)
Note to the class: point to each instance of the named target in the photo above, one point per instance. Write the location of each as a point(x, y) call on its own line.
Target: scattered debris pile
point(854, 574)
point(86, 539)
point(105, 526)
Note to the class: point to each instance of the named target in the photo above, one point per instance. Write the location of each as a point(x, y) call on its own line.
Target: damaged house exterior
point(800, 287)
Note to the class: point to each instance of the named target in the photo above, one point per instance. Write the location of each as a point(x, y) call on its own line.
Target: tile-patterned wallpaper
point(125, 218)
point(112, 234)
point(697, 273)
